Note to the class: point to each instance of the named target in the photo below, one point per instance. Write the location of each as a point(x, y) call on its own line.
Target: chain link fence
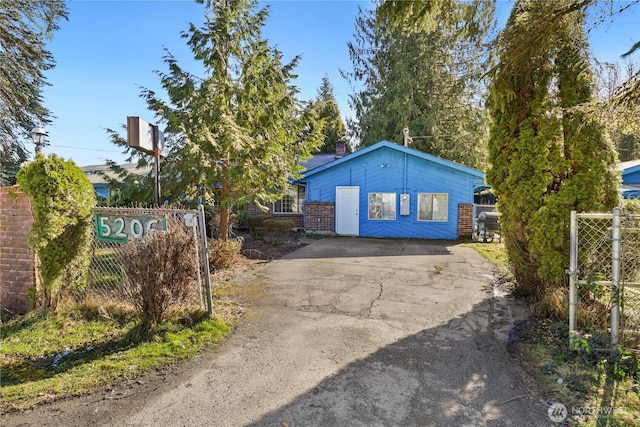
point(605, 258)
point(115, 228)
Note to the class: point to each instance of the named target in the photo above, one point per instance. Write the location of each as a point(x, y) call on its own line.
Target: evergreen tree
point(25, 26)
point(239, 130)
point(423, 80)
point(326, 108)
point(546, 156)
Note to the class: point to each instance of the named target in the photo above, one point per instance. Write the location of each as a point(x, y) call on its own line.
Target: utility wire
point(80, 148)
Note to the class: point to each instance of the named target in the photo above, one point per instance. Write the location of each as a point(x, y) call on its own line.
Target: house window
point(291, 201)
point(433, 206)
point(382, 206)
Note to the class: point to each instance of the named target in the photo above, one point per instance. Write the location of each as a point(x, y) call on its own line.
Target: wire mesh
point(630, 280)
point(594, 274)
point(115, 228)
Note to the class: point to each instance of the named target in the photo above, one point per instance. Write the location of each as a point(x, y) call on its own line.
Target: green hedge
point(63, 199)
point(255, 225)
point(277, 230)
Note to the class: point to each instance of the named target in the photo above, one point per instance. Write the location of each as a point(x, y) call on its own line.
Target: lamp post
point(38, 134)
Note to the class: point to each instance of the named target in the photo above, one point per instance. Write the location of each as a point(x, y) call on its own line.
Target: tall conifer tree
point(421, 78)
point(240, 130)
point(25, 27)
point(546, 157)
point(326, 106)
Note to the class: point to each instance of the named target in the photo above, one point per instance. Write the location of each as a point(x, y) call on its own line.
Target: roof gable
point(409, 151)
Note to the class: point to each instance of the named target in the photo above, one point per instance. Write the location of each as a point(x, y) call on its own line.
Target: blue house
point(630, 172)
point(388, 190)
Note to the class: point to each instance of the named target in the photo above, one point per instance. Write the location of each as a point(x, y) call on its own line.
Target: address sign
point(122, 228)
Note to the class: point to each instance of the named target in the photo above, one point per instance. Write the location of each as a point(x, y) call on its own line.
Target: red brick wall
point(16, 258)
point(465, 220)
point(320, 216)
point(298, 219)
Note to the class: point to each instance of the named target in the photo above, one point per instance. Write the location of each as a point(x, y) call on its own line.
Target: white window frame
point(381, 209)
point(292, 198)
point(441, 205)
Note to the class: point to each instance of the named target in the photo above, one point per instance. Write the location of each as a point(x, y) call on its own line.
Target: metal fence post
point(194, 227)
point(205, 253)
point(573, 270)
point(615, 278)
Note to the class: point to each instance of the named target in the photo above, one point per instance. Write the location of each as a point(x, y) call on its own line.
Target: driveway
point(351, 332)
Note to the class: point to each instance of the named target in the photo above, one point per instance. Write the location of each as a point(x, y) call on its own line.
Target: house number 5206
point(123, 228)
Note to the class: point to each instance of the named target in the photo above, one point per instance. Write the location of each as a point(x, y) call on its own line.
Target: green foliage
point(213, 216)
point(631, 206)
point(546, 157)
point(94, 346)
point(277, 230)
point(26, 27)
point(223, 253)
point(255, 225)
point(333, 129)
point(403, 86)
point(239, 129)
point(62, 201)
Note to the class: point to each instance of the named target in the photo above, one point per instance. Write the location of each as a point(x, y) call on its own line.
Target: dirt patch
point(254, 252)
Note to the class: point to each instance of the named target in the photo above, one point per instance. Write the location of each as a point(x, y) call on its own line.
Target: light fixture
point(38, 134)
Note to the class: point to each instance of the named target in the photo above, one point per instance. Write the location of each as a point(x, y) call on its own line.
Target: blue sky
point(108, 49)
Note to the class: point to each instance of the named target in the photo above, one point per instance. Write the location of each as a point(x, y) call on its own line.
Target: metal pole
point(156, 158)
point(615, 278)
point(573, 271)
point(205, 254)
point(194, 225)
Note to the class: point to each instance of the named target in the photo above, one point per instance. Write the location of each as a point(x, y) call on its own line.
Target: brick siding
point(320, 217)
point(465, 220)
point(16, 258)
point(297, 218)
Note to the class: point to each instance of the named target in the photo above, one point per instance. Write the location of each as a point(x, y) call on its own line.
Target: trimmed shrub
point(277, 230)
point(223, 253)
point(161, 269)
point(63, 199)
point(255, 225)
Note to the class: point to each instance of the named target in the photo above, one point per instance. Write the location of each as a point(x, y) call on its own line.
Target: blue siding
point(631, 177)
point(387, 169)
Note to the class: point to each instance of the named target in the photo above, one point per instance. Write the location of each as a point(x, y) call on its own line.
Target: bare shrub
point(160, 269)
point(223, 253)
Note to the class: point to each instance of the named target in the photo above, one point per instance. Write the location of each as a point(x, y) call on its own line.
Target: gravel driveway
point(350, 332)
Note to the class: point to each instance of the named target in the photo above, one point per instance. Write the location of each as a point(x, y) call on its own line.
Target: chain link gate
point(114, 227)
point(605, 263)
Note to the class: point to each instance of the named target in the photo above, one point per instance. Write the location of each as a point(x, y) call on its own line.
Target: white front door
point(347, 211)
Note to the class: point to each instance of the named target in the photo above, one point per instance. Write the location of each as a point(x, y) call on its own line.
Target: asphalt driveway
point(356, 332)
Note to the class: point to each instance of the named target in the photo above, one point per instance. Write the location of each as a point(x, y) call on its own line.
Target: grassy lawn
point(43, 358)
point(597, 388)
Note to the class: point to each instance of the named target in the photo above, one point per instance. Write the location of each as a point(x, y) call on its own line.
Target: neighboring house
point(100, 185)
point(385, 190)
point(630, 179)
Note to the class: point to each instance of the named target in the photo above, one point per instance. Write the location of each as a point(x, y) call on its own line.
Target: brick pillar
point(465, 220)
point(17, 271)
